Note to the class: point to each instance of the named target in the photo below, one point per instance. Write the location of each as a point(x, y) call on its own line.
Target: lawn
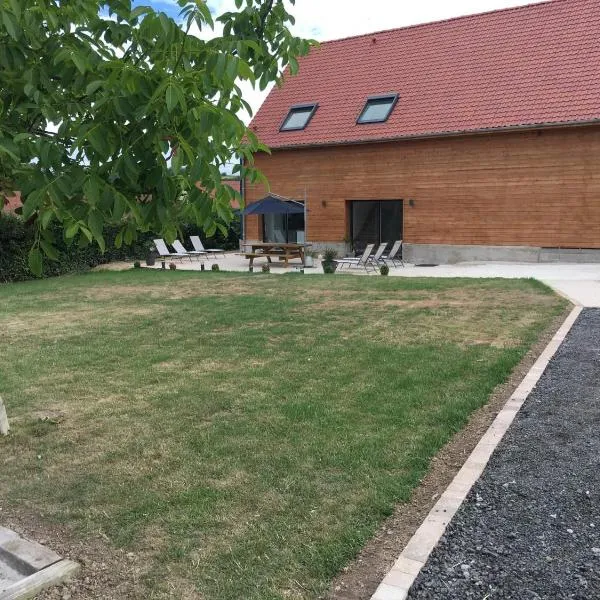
point(245, 433)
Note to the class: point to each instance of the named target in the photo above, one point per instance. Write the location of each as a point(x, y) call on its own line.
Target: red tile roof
point(525, 66)
point(11, 203)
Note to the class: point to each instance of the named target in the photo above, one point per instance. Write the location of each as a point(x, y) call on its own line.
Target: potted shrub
point(327, 262)
point(309, 257)
point(151, 254)
point(266, 268)
point(384, 270)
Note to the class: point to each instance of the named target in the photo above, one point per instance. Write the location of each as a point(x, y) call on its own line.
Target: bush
point(384, 270)
point(16, 238)
point(172, 266)
point(266, 268)
point(329, 255)
point(215, 267)
point(137, 264)
point(328, 264)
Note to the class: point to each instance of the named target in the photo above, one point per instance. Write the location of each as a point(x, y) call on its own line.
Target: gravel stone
point(527, 530)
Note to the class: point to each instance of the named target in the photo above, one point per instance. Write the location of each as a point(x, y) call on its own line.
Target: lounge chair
point(376, 258)
point(179, 248)
point(395, 255)
point(162, 249)
point(199, 247)
point(364, 261)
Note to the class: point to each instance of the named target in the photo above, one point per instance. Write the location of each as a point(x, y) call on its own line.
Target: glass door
point(283, 228)
point(375, 222)
point(275, 229)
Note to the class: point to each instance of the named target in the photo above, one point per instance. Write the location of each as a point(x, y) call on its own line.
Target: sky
point(333, 19)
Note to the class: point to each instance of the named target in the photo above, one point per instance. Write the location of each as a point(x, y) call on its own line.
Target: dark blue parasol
point(275, 205)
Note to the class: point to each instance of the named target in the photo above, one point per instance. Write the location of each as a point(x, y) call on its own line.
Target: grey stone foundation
point(447, 254)
point(443, 254)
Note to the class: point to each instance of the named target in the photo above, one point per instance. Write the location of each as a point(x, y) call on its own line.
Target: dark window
point(298, 117)
point(378, 109)
point(375, 222)
point(283, 228)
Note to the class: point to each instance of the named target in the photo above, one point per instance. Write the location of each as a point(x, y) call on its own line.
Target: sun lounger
point(395, 255)
point(180, 249)
point(163, 251)
point(199, 247)
point(362, 262)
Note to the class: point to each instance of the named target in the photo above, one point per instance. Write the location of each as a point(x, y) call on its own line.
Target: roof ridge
point(439, 21)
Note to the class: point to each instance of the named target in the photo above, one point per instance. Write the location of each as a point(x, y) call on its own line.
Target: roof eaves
point(443, 134)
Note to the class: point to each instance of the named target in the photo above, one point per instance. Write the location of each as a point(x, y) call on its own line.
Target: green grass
point(248, 433)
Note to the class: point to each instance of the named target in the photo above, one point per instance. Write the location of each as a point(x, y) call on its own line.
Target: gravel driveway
point(530, 527)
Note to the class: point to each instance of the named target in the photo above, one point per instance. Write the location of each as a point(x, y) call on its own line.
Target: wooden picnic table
point(269, 250)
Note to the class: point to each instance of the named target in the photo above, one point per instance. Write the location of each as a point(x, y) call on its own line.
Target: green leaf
point(32, 203)
point(71, 230)
point(138, 11)
point(34, 260)
point(46, 217)
point(118, 207)
point(93, 87)
point(97, 139)
point(96, 225)
point(16, 7)
point(49, 250)
point(8, 147)
point(11, 25)
point(91, 191)
point(86, 232)
point(174, 96)
point(80, 62)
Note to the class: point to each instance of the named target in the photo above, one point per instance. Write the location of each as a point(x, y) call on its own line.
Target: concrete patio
point(579, 282)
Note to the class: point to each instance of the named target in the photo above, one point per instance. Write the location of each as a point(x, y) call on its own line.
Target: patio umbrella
point(275, 205)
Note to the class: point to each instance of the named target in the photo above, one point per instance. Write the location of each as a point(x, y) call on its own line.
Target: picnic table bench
point(269, 250)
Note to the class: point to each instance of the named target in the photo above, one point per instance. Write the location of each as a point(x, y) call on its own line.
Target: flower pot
point(309, 261)
point(151, 259)
point(328, 267)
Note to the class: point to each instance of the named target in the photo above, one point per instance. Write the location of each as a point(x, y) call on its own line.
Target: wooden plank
point(4, 427)
point(34, 584)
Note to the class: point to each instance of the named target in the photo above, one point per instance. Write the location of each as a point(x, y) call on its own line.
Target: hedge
point(16, 238)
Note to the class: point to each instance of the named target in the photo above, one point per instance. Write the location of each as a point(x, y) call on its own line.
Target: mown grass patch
point(255, 428)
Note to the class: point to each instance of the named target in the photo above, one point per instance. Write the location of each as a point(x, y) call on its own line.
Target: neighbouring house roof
point(11, 203)
point(533, 65)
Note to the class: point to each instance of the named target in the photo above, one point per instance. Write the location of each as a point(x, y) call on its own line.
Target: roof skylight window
point(298, 117)
point(378, 108)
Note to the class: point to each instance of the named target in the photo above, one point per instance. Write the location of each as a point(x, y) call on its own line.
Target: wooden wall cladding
point(530, 188)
